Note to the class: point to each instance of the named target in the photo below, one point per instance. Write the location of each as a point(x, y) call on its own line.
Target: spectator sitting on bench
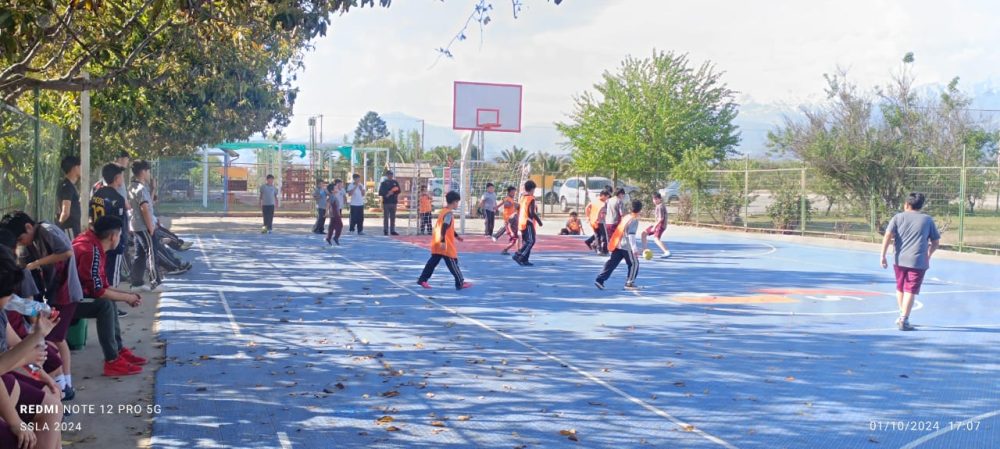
point(90, 249)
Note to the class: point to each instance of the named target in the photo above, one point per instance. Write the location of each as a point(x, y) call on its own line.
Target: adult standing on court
point(68, 197)
point(320, 194)
point(356, 191)
point(268, 201)
point(389, 191)
point(916, 238)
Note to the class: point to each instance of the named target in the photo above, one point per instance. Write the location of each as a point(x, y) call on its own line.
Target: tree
point(867, 143)
point(370, 128)
point(512, 156)
point(443, 154)
point(407, 146)
point(549, 163)
point(640, 121)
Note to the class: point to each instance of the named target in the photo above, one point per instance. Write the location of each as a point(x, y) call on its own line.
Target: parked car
point(672, 192)
point(575, 191)
point(552, 194)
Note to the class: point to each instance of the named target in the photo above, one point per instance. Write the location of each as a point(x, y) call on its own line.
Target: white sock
point(61, 381)
point(69, 380)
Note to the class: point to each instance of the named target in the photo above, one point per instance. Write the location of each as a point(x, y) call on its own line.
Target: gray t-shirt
point(337, 201)
point(911, 232)
point(614, 214)
point(489, 201)
point(137, 195)
point(320, 195)
point(661, 213)
point(630, 229)
point(268, 195)
point(50, 239)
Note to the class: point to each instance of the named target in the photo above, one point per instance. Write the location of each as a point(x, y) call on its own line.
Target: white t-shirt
point(358, 197)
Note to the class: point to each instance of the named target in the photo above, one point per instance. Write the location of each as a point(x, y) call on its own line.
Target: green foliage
point(370, 128)
point(542, 162)
point(642, 120)
point(786, 209)
point(512, 156)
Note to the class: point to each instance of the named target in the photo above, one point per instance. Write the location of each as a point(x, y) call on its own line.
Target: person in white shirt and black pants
point(356, 192)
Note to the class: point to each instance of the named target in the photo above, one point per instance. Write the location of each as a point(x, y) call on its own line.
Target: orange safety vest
point(425, 203)
point(450, 250)
point(522, 219)
point(594, 212)
point(508, 208)
point(616, 237)
point(573, 225)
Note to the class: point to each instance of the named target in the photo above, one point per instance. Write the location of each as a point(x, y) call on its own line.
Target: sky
point(774, 53)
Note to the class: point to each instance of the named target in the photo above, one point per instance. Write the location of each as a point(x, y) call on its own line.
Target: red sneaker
point(120, 367)
point(127, 354)
point(424, 284)
point(465, 286)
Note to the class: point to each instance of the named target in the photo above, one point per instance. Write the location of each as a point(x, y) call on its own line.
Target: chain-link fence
point(29, 164)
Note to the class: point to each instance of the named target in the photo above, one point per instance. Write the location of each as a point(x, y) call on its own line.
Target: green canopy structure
point(301, 148)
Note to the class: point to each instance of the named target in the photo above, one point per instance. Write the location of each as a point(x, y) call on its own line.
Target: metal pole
point(204, 177)
point(961, 203)
point(85, 152)
point(746, 193)
point(225, 183)
point(802, 204)
point(38, 158)
point(423, 132)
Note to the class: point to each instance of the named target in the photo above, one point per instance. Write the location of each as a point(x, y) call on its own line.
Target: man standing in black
point(389, 191)
point(69, 197)
point(108, 201)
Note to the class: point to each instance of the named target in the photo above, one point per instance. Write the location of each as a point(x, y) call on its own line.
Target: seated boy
point(573, 225)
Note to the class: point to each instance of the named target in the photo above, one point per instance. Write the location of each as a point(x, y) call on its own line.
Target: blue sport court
point(278, 341)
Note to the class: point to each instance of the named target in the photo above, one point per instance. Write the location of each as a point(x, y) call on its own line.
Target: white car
point(575, 191)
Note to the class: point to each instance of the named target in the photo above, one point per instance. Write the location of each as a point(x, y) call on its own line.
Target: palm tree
point(549, 163)
point(441, 154)
point(512, 156)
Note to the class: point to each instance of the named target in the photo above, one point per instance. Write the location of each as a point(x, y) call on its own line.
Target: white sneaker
point(666, 255)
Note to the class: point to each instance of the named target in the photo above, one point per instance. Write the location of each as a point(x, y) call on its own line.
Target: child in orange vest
point(443, 245)
point(596, 211)
point(573, 225)
point(526, 220)
point(425, 208)
point(509, 206)
point(623, 246)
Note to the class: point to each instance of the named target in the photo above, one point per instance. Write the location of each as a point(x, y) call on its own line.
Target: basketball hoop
point(487, 107)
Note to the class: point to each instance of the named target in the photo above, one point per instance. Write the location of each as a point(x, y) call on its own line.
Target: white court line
point(283, 440)
point(552, 357)
point(229, 313)
point(928, 327)
point(950, 428)
point(204, 255)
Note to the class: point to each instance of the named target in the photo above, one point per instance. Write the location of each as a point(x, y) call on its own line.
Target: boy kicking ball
point(443, 245)
point(511, 227)
point(916, 238)
point(657, 229)
point(623, 243)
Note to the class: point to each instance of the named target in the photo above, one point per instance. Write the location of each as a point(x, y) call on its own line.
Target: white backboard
point(487, 107)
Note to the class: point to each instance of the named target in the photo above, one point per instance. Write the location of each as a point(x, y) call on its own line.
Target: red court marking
point(815, 291)
point(482, 244)
point(753, 299)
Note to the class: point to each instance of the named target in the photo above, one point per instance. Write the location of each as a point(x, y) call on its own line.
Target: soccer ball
point(647, 254)
point(263, 229)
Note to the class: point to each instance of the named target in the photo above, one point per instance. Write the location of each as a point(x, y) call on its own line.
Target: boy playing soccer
point(511, 227)
point(443, 245)
point(425, 208)
point(624, 247)
point(509, 206)
point(526, 220)
point(573, 225)
point(916, 238)
point(596, 211)
point(657, 229)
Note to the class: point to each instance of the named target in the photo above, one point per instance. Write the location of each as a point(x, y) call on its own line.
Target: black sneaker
point(904, 325)
point(599, 285)
point(393, 233)
point(517, 259)
point(122, 313)
point(68, 393)
point(527, 264)
point(631, 287)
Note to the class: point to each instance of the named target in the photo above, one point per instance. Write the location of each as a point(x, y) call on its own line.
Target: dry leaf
point(390, 394)
point(464, 418)
point(678, 384)
point(688, 428)
point(385, 420)
point(790, 378)
point(438, 423)
point(392, 429)
point(569, 434)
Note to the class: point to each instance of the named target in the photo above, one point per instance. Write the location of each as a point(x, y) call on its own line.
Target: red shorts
point(656, 231)
point(908, 279)
point(31, 393)
point(66, 314)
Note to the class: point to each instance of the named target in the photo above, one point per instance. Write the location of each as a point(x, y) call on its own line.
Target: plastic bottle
point(28, 307)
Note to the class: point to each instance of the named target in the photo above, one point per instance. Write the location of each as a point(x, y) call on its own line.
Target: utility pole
point(85, 153)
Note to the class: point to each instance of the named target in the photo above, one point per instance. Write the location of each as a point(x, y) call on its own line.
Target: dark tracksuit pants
point(527, 242)
point(500, 232)
point(320, 219)
point(268, 216)
point(357, 219)
point(452, 265)
point(600, 236)
point(112, 267)
point(109, 332)
point(490, 217)
point(165, 257)
point(336, 226)
point(616, 258)
point(388, 218)
point(145, 260)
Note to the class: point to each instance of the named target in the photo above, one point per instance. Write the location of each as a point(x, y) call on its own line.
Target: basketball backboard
point(487, 107)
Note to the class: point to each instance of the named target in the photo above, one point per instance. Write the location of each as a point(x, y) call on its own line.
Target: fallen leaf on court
point(904, 376)
point(599, 404)
point(390, 394)
point(679, 384)
point(438, 423)
point(205, 357)
point(605, 370)
point(464, 418)
point(385, 420)
point(419, 345)
point(569, 434)
point(687, 428)
point(790, 378)
point(437, 431)
point(430, 395)
point(392, 429)
point(717, 356)
point(449, 324)
point(872, 440)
